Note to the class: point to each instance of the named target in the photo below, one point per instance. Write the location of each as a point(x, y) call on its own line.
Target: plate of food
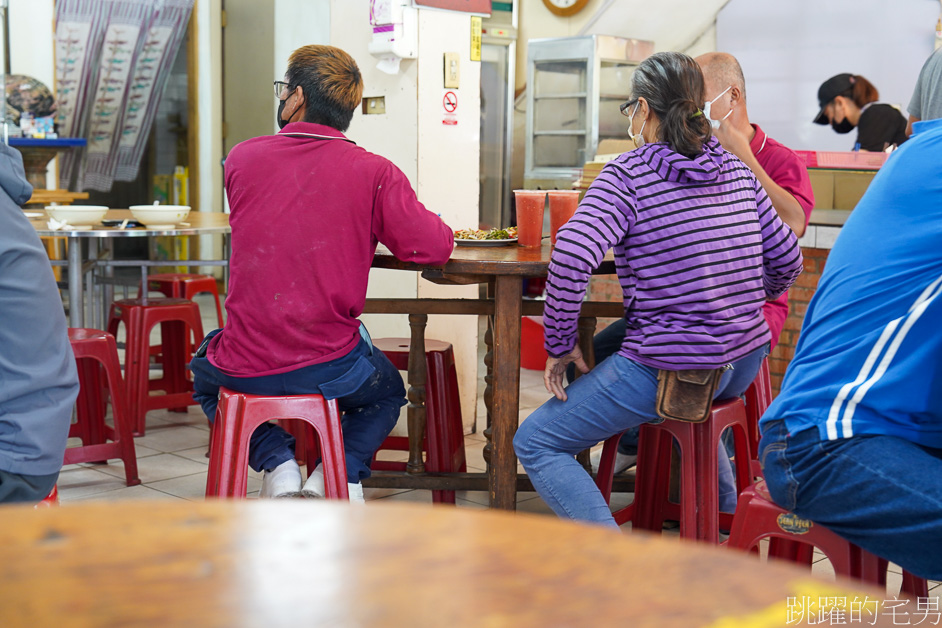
point(486, 237)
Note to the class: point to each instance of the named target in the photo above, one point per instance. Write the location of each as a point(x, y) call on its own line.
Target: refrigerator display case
point(575, 86)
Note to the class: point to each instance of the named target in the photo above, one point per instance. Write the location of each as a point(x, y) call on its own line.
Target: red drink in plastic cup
point(530, 205)
point(562, 206)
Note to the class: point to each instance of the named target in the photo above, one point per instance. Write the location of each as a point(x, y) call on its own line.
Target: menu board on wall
point(465, 6)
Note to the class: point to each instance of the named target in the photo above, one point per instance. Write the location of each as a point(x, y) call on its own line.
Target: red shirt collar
point(758, 140)
point(313, 129)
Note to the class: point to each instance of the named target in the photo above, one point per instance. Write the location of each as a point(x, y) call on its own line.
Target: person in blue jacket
point(854, 440)
point(38, 376)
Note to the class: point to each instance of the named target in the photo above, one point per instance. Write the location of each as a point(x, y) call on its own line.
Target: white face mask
point(706, 109)
point(639, 138)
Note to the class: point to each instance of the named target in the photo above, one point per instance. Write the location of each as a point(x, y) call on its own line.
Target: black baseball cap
point(831, 89)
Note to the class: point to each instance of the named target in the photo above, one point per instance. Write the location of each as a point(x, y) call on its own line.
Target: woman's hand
point(556, 370)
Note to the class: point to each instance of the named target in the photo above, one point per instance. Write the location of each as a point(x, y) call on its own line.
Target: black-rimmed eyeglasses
point(625, 105)
point(280, 88)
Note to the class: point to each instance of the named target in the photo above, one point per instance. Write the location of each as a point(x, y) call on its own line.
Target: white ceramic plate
point(34, 214)
point(461, 242)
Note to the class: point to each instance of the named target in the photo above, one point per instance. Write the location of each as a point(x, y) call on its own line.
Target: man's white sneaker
point(623, 462)
point(282, 481)
point(356, 493)
point(314, 487)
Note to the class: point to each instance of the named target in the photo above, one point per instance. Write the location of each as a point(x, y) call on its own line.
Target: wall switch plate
point(374, 105)
point(452, 69)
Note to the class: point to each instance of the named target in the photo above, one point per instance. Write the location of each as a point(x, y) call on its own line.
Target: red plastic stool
point(698, 511)
point(793, 538)
point(758, 398)
point(50, 500)
point(96, 352)
point(444, 431)
point(175, 316)
point(185, 286)
point(237, 417)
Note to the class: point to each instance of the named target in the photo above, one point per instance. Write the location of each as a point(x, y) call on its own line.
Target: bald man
point(781, 173)
point(785, 179)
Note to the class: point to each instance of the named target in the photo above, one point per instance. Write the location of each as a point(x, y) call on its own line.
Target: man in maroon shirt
point(308, 207)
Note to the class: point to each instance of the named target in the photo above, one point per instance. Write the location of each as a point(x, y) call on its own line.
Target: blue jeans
point(16, 487)
point(880, 492)
point(607, 343)
point(604, 344)
point(616, 395)
point(367, 386)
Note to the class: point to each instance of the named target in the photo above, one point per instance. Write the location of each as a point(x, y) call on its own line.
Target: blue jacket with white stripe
point(869, 360)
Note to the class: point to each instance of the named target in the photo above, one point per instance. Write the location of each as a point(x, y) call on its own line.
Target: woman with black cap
point(848, 101)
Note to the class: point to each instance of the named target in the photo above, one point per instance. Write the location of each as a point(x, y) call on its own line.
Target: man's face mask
point(282, 123)
point(637, 139)
point(708, 104)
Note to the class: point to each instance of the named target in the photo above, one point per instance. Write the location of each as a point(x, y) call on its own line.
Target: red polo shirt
point(785, 168)
point(308, 208)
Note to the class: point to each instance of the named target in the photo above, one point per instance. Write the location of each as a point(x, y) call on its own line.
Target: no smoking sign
point(450, 108)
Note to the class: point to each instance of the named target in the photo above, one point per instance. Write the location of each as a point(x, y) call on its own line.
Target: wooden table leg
point(488, 388)
point(502, 471)
point(415, 413)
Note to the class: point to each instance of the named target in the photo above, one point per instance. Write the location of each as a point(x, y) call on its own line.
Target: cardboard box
point(838, 189)
point(822, 183)
point(849, 187)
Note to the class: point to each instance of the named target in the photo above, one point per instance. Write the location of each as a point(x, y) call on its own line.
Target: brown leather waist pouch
point(687, 395)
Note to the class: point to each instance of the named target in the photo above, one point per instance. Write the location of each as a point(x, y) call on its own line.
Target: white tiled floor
point(172, 464)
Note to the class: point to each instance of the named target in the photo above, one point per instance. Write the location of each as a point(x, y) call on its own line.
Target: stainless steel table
point(197, 223)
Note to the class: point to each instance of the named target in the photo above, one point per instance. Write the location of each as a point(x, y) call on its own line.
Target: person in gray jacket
point(38, 376)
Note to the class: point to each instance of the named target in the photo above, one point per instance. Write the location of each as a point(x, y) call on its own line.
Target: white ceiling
point(670, 24)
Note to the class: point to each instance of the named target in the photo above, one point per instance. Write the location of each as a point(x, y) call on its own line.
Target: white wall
point(393, 135)
point(297, 23)
point(787, 49)
point(208, 15)
point(448, 173)
point(440, 161)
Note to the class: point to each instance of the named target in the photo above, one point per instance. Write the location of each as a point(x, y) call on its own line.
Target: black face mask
point(844, 126)
point(281, 108)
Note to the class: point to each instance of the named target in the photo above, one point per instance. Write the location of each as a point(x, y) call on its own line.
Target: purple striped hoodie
point(698, 249)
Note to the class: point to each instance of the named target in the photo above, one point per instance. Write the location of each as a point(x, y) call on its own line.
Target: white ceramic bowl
point(160, 214)
point(77, 214)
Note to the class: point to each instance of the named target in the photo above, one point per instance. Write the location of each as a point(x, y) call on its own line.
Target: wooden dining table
point(503, 269)
point(306, 563)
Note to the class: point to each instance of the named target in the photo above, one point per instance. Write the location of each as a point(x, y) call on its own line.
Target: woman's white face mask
point(637, 139)
point(706, 109)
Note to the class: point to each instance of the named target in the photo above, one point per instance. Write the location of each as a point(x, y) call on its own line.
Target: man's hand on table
point(555, 371)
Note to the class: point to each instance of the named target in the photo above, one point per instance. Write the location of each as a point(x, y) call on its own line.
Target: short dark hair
point(672, 83)
point(331, 82)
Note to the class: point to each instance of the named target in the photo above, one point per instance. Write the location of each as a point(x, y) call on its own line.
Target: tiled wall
point(798, 299)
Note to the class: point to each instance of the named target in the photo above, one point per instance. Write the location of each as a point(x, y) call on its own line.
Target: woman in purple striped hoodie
point(698, 249)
